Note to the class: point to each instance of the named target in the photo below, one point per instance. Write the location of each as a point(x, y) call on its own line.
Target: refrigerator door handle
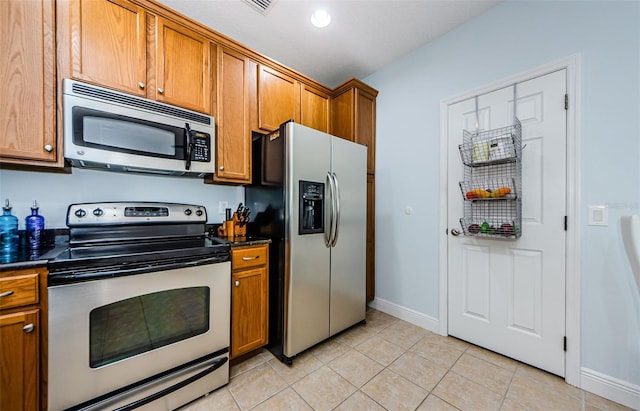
point(336, 197)
point(329, 236)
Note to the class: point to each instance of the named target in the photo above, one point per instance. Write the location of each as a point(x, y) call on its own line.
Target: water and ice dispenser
point(311, 212)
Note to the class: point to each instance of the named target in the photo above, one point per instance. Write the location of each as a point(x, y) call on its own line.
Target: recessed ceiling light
point(320, 18)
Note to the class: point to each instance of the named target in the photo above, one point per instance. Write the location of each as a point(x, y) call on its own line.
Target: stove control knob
point(199, 213)
point(80, 213)
point(187, 211)
point(98, 212)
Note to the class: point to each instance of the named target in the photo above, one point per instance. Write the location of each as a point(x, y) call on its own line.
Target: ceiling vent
point(262, 6)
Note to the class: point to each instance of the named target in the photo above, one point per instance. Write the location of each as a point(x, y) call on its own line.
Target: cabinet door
point(19, 360)
point(314, 110)
point(27, 82)
point(278, 98)
point(248, 310)
point(233, 138)
point(183, 67)
point(342, 115)
point(108, 44)
point(365, 126)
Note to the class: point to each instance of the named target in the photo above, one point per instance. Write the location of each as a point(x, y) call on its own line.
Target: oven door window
point(136, 325)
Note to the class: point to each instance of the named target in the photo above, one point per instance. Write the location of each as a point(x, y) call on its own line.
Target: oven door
point(122, 339)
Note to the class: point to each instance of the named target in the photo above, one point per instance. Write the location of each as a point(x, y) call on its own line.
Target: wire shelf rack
point(492, 185)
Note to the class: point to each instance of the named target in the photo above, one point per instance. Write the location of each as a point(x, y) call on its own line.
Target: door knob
point(160, 90)
point(237, 283)
point(141, 84)
point(455, 232)
point(48, 148)
point(221, 168)
point(28, 328)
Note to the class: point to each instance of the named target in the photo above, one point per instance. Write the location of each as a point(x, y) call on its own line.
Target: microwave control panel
point(201, 147)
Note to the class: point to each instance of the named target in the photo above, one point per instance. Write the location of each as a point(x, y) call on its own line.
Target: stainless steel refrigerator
point(309, 196)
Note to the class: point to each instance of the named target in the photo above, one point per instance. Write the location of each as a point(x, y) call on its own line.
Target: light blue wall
point(514, 37)
point(55, 192)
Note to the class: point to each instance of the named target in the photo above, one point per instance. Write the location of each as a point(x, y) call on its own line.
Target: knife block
point(232, 228)
point(239, 230)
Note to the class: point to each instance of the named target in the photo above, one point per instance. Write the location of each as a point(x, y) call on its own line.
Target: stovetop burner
point(117, 239)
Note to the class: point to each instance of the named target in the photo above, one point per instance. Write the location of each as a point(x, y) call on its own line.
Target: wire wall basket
point(492, 185)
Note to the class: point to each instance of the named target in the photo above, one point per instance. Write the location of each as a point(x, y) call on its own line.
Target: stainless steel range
point(138, 308)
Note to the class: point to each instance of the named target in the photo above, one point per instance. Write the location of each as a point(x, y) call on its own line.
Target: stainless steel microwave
point(108, 130)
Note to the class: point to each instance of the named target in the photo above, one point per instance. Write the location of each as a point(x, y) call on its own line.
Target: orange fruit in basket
point(480, 193)
point(500, 192)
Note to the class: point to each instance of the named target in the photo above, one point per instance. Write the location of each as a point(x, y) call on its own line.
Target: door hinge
point(566, 223)
point(565, 343)
point(566, 102)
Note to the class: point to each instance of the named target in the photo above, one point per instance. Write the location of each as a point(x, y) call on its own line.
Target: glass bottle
point(34, 226)
point(8, 230)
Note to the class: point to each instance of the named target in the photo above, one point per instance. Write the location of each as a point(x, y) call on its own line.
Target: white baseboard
point(610, 388)
point(406, 314)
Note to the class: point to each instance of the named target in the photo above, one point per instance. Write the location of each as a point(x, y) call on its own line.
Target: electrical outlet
point(222, 205)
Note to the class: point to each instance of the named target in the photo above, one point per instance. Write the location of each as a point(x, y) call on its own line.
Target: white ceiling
point(364, 35)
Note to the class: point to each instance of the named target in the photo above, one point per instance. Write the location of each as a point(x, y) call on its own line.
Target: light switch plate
point(598, 215)
point(222, 205)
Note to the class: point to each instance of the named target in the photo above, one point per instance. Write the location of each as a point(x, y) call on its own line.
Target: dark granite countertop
point(241, 240)
point(54, 242)
point(57, 240)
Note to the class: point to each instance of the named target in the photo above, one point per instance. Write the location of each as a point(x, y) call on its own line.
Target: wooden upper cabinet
point(278, 98)
point(314, 110)
point(183, 67)
point(233, 139)
point(117, 44)
point(108, 44)
point(27, 83)
point(353, 116)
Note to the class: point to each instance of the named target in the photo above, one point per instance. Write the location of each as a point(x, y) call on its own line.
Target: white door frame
point(572, 314)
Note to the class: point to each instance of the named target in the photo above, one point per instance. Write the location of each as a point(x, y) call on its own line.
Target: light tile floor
point(390, 364)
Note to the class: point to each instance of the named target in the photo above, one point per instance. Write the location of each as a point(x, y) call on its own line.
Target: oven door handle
point(139, 403)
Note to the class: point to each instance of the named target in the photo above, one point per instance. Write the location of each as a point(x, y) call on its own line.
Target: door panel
point(509, 295)
point(307, 277)
point(476, 280)
point(348, 257)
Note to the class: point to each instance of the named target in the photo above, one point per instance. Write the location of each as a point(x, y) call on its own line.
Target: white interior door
point(509, 295)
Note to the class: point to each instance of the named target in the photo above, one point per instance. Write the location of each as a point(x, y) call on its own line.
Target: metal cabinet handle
point(141, 84)
point(160, 90)
point(237, 283)
point(6, 293)
point(455, 232)
point(250, 258)
point(48, 148)
point(28, 328)
point(221, 168)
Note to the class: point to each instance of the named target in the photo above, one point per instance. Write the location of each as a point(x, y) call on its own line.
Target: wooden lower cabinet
point(249, 298)
point(22, 338)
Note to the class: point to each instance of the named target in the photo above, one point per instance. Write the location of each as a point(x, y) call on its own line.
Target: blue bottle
point(8, 230)
point(34, 226)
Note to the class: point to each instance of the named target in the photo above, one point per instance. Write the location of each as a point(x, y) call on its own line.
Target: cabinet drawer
point(18, 290)
point(248, 257)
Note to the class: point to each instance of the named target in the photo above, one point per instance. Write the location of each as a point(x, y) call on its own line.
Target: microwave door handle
point(188, 145)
